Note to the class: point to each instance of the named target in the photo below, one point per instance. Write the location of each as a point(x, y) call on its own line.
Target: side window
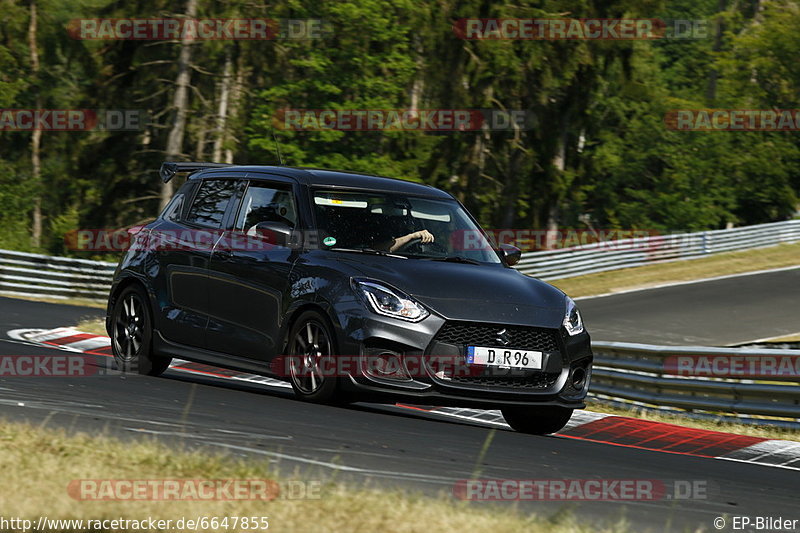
point(266, 203)
point(174, 208)
point(211, 202)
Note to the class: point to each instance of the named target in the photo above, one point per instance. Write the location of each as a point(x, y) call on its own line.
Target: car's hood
point(469, 292)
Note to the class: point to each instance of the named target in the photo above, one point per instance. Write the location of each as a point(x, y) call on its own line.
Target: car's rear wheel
point(312, 355)
point(537, 420)
point(131, 335)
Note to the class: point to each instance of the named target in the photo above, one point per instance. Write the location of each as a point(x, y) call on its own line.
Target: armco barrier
point(63, 277)
point(54, 277)
point(626, 253)
point(640, 374)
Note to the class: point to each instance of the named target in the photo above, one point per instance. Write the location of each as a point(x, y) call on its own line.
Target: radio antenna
point(277, 146)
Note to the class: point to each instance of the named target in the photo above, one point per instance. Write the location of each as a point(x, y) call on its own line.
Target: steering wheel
point(432, 246)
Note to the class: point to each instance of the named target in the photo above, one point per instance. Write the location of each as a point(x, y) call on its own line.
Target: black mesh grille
point(538, 380)
point(479, 334)
point(476, 334)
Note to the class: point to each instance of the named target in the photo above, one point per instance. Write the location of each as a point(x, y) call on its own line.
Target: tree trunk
point(235, 103)
point(200, 149)
point(419, 81)
point(713, 74)
point(36, 173)
point(560, 165)
point(222, 109)
point(511, 190)
point(36, 135)
point(180, 103)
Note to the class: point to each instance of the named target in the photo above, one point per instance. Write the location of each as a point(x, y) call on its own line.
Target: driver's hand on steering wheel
point(424, 236)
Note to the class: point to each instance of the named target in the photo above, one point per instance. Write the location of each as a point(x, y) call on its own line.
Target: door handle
point(223, 255)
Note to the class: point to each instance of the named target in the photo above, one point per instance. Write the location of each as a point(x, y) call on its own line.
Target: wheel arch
point(120, 286)
point(298, 311)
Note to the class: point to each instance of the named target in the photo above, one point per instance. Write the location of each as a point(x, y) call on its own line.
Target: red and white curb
point(584, 425)
point(72, 340)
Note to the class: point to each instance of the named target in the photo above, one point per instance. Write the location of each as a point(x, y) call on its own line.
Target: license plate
point(504, 357)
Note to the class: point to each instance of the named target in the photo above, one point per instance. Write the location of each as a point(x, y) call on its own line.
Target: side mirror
point(511, 254)
point(276, 233)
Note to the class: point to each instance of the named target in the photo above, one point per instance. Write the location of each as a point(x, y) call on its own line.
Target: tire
point(537, 420)
point(132, 334)
point(310, 342)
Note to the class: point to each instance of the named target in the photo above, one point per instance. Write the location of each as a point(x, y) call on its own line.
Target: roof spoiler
point(169, 168)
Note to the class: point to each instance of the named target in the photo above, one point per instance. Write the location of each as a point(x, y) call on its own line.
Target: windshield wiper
point(455, 259)
point(367, 251)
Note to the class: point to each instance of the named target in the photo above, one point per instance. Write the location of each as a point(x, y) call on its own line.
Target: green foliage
point(14, 205)
point(597, 150)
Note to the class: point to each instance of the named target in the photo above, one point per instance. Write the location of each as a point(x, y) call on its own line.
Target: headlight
point(573, 322)
point(389, 301)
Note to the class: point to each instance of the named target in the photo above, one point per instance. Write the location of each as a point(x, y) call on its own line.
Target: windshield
point(421, 228)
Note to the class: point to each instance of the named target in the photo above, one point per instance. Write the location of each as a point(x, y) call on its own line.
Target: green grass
point(93, 325)
point(39, 463)
point(81, 302)
point(783, 255)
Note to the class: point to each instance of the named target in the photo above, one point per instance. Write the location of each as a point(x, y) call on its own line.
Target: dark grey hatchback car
point(353, 288)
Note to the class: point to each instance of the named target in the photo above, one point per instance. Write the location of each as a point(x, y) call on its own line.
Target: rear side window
point(210, 203)
point(175, 208)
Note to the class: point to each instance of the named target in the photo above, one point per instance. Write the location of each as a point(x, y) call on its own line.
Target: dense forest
point(594, 152)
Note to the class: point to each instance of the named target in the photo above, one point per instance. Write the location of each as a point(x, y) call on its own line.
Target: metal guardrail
point(640, 374)
point(64, 277)
point(626, 253)
point(54, 277)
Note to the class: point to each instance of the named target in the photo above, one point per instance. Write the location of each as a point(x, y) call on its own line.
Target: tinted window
point(266, 204)
point(210, 203)
point(174, 208)
point(349, 219)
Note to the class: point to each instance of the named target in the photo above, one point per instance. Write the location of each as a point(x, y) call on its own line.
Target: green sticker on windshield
point(329, 241)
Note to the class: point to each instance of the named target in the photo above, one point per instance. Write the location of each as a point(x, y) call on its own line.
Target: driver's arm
point(424, 235)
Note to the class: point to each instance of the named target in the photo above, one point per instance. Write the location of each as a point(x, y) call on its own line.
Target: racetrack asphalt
point(365, 443)
point(722, 312)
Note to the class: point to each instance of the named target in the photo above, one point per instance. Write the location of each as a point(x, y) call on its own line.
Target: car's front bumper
point(417, 343)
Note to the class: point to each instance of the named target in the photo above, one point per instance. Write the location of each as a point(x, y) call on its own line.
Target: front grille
point(477, 334)
point(536, 380)
point(463, 334)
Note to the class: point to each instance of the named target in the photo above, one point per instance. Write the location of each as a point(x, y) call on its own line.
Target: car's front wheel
point(537, 420)
point(312, 359)
point(131, 334)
